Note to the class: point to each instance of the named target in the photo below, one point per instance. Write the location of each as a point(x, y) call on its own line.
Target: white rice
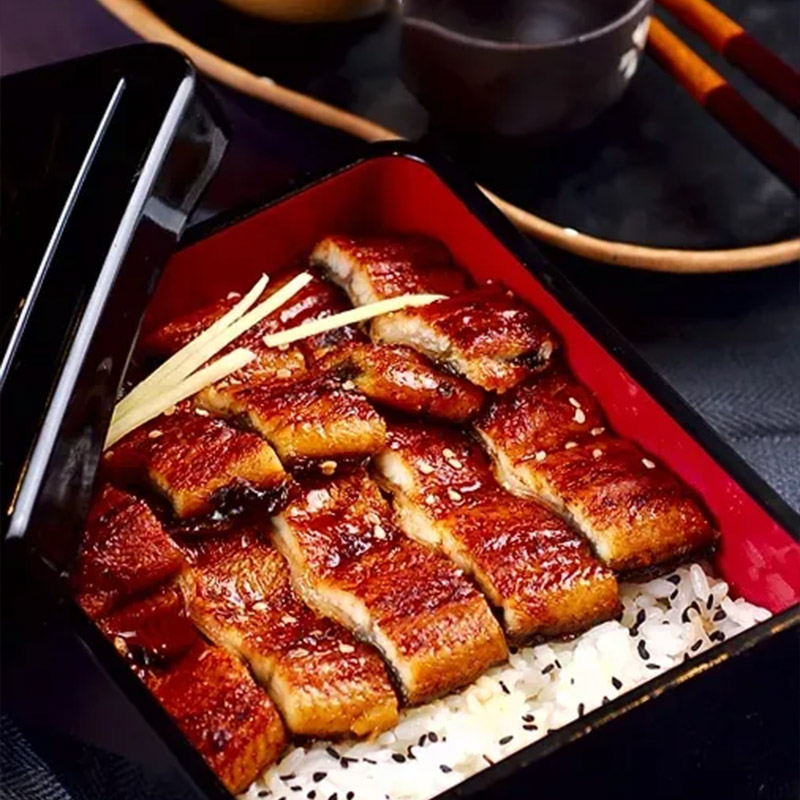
point(541, 688)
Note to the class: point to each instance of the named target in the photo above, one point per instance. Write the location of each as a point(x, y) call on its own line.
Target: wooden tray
point(690, 197)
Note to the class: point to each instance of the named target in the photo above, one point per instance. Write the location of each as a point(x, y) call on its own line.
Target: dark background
point(655, 169)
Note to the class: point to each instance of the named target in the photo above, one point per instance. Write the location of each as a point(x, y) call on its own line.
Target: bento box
point(669, 736)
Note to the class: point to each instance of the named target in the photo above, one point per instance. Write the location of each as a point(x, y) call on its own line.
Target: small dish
point(522, 66)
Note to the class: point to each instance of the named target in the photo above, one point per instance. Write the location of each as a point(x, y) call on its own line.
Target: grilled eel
point(206, 689)
point(350, 562)
point(484, 334)
point(549, 439)
point(540, 575)
point(238, 592)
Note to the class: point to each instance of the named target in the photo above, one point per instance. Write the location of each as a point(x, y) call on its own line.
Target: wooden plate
point(654, 168)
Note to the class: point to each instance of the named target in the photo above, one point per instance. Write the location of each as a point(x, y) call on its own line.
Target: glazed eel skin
point(351, 562)
point(549, 439)
point(124, 579)
point(324, 682)
point(530, 565)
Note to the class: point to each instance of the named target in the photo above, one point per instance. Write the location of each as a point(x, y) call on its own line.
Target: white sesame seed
point(108, 454)
point(300, 652)
point(283, 373)
point(454, 463)
point(288, 619)
point(170, 411)
point(155, 434)
point(648, 463)
point(596, 431)
point(448, 453)
point(454, 495)
point(328, 467)
point(597, 452)
point(346, 648)
point(283, 347)
point(570, 445)
point(348, 386)
point(425, 468)
point(260, 606)
point(430, 499)
point(201, 412)
point(579, 416)
point(574, 402)
point(541, 455)
point(233, 295)
point(379, 532)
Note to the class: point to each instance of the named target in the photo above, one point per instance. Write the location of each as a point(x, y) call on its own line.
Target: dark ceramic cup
point(517, 67)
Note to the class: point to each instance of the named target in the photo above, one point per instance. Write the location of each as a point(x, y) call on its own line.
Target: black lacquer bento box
point(727, 719)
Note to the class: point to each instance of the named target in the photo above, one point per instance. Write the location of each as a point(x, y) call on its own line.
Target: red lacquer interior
point(757, 556)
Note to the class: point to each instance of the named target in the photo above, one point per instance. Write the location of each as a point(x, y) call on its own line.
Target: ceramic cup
point(518, 67)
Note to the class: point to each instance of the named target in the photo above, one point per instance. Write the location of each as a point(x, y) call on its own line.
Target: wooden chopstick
point(726, 36)
point(725, 104)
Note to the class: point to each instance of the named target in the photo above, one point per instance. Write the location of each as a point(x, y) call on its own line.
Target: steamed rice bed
point(541, 688)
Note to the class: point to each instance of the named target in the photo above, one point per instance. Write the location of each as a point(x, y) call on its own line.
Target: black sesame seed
point(652, 666)
point(548, 668)
point(318, 776)
point(710, 602)
point(527, 717)
point(530, 727)
point(350, 795)
point(558, 663)
point(504, 688)
point(422, 739)
point(675, 579)
point(410, 753)
point(685, 656)
point(288, 777)
point(616, 682)
point(312, 794)
point(334, 796)
point(445, 768)
point(642, 649)
point(370, 761)
point(581, 709)
point(505, 740)
point(572, 681)
point(696, 646)
point(296, 788)
point(673, 595)
point(719, 616)
point(331, 751)
point(605, 700)
point(717, 636)
point(264, 793)
point(433, 736)
point(343, 763)
point(640, 617)
point(513, 650)
point(398, 757)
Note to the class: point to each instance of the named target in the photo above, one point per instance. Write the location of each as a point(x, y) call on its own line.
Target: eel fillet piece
point(124, 552)
point(205, 689)
point(397, 377)
point(485, 334)
point(238, 592)
point(198, 464)
point(540, 574)
point(351, 562)
point(548, 439)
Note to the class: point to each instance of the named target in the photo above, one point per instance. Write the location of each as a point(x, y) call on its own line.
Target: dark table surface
point(730, 344)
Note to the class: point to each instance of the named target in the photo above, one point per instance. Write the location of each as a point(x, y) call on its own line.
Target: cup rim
point(497, 44)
